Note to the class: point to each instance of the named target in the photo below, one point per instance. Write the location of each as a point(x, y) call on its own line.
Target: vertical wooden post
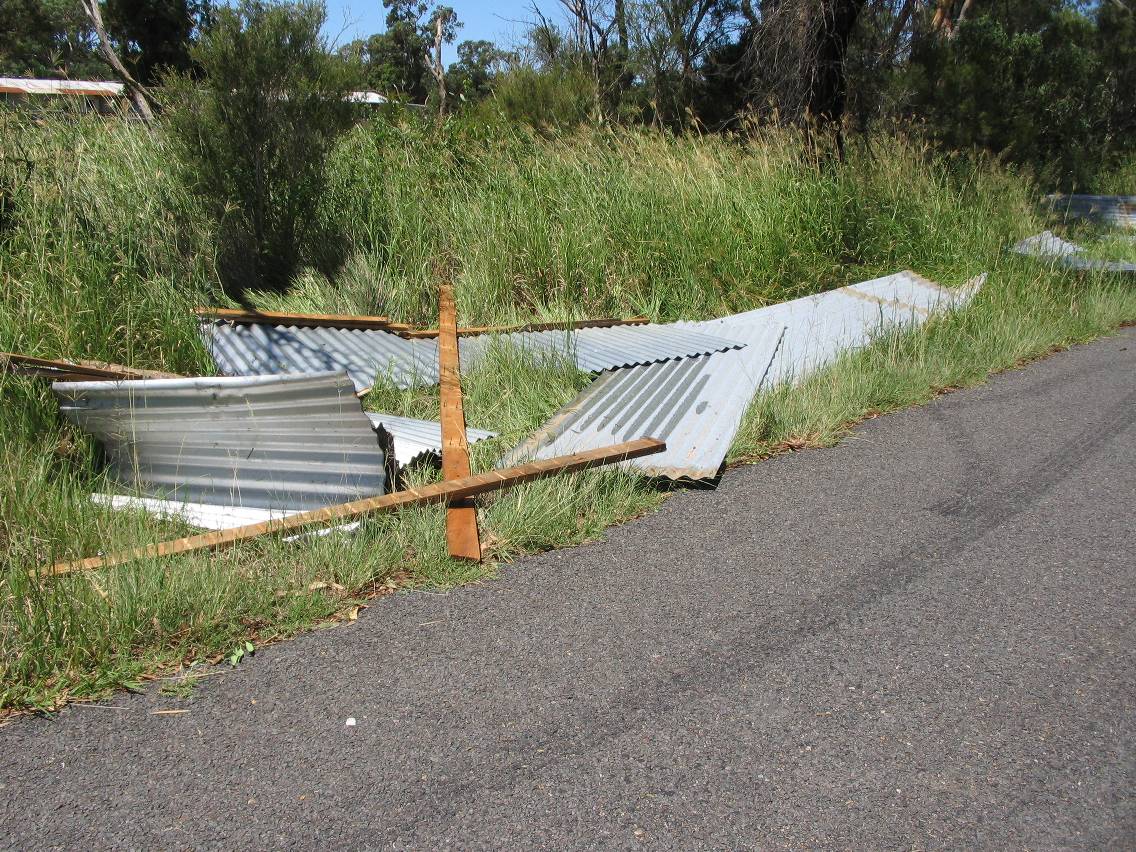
point(461, 517)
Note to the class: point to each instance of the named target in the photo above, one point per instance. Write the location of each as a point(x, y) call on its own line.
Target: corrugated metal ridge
point(362, 353)
point(278, 442)
point(697, 405)
point(258, 349)
point(595, 349)
point(415, 441)
point(689, 401)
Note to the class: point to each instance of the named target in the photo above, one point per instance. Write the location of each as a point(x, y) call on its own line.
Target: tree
point(471, 77)
point(255, 132)
point(397, 61)
point(155, 34)
point(443, 25)
point(136, 90)
point(797, 60)
point(48, 38)
point(1033, 81)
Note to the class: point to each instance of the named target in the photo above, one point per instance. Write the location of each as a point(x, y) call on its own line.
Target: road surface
point(923, 638)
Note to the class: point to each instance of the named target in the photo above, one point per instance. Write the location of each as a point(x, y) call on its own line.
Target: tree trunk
point(137, 91)
point(436, 69)
point(830, 84)
point(829, 93)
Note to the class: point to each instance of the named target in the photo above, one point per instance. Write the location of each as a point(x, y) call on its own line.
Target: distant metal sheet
point(697, 404)
point(1049, 246)
point(270, 442)
point(258, 349)
point(29, 86)
point(415, 441)
point(1118, 210)
point(110, 89)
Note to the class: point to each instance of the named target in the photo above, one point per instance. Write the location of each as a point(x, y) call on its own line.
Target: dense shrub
point(255, 132)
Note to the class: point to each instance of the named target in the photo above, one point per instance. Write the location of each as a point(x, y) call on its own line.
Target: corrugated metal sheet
point(595, 349)
point(697, 405)
point(292, 442)
point(1049, 246)
point(692, 403)
point(208, 516)
point(243, 350)
point(252, 350)
point(1118, 210)
point(415, 441)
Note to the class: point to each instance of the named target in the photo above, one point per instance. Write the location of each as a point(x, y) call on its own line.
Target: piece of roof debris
point(697, 404)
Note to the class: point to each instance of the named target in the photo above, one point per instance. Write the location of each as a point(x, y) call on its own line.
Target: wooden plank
point(348, 321)
point(450, 491)
point(461, 518)
point(134, 372)
point(80, 371)
point(531, 326)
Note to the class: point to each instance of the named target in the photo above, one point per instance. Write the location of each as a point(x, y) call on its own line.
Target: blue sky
point(497, 22)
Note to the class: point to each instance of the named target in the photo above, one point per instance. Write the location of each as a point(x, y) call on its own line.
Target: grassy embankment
point(102, 254)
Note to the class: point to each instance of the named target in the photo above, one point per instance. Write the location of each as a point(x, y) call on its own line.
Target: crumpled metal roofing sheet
point(696, 405)
point(257, 349)
point(271, 442)
point(1048, 245)
point(417, 440)
point(1118, 210)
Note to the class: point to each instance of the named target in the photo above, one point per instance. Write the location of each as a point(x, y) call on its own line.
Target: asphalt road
point(923, 638)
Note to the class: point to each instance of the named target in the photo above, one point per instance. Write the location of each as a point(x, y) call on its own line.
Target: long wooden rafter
point(462, 539)
point(352, 321)
point(345, 321)
point(449, 491)
point(75, 371)
point(563, 325)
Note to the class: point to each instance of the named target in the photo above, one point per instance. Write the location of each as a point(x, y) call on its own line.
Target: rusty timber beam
point(563, 325)
point(75, 371)
point(462, 539)
point(347, 321)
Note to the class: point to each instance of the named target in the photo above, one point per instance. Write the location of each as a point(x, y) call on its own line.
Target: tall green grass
point(102, 254)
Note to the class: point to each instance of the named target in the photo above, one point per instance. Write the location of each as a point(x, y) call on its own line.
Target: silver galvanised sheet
point(415, 441)
point(259, 349)
point(1117, 210)
point(691, 403)
point(697, 405)
point(1049, 246)
point(273, 442)
point(595, 349)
